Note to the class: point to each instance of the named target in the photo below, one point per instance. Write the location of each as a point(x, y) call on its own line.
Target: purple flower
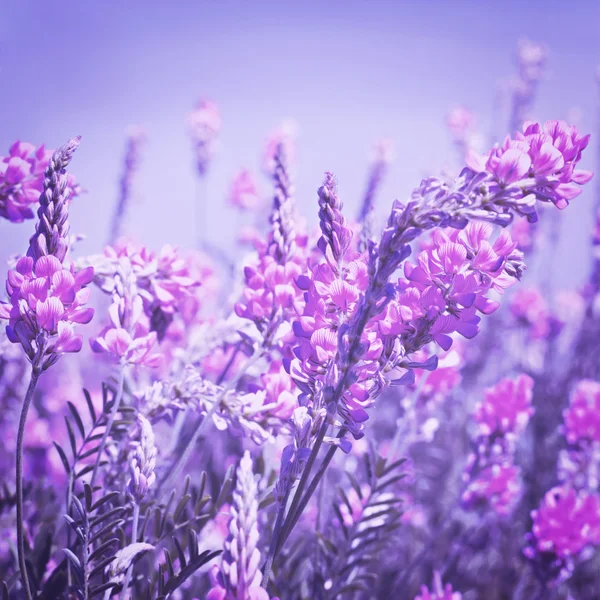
point(244, 192)
point(128, 339)
point(439, 591)
point(542, 159)
point(239, 577)
point(506, 408)
point(46, 300)
point(566, 522)
point(582, 417)
point(143, 462)
point(497, 486)
point(22, 181)
point(204, 125)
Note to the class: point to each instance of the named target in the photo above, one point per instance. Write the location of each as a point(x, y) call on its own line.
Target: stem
point(35, 375)
point(275, 538)
point(134, 528)
point(201, 422)
point(293, 519)
point(111, 418)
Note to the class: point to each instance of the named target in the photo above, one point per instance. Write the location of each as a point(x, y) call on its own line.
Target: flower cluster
point(244, 192)
point(492, 478)
point(270, 285)
point(46, 297)
point(204, 124)
point(579, 462)
point(565, 524)
point(143, 461)
point(439, 591)
point(542, 159)
point(239, 576)
point(128, 339)
point(531, 309)
point(161, 279)
point(22, 180)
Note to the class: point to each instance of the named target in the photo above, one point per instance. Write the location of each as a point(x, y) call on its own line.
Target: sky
point(348, 72)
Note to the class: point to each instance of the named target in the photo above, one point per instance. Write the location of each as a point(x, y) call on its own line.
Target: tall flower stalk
point(46, 299)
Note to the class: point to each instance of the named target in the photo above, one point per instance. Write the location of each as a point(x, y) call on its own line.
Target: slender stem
point(134, 534)
point(276, 531)
point(201, 423)
point(109, 424)
point(293, 519)
point(224, 372)
point(35, 375)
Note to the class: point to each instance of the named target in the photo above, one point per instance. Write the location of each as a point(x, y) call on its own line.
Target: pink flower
point(566, 522)
point(542, 159)
point(46, 298)
point(439, 591)
point(204, 125)
point(496, 485)
point(506, 408)
point(244, 191)
point(22, 181)
point(582, 417)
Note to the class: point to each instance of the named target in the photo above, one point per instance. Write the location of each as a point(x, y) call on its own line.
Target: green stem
point(35, 375)
point(109, 424)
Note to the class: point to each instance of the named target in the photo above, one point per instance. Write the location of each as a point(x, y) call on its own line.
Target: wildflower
point(439, 591)
point(46, 297)
point(383, 152)
point(204, 124)
point(542, 160)
point(244, 191)
point(143, 462)
point(239, 577)
point(22, 181)
point(506, 408)
point(136, 137)
point(564, 525)
point(128, 339)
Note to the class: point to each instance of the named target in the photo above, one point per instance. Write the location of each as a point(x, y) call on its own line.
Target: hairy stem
point(35, 375)
point(109, 424)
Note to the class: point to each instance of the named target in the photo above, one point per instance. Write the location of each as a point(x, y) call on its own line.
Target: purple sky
point(348, 72)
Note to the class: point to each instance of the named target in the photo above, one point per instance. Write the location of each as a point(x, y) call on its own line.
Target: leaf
point(90, 405)
point(63, 458)
point(77, 419)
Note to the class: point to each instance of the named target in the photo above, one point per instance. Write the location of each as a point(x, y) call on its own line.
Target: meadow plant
point(358, 417)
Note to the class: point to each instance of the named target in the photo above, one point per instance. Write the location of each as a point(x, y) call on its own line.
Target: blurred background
point(348, 72)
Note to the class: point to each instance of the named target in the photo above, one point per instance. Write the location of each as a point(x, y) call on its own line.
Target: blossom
point(460, 121)
point(239, 577)
point(582, 417)
point(136, 138)
point(128, 338)
point(204, 125)
point(439, 591)
point(22, 180)
point(529, 306)
point(566, 522)
point(46, 297)
point(244, 192)
point(542, 158)
point(506, 407)
point(143, 462)
point(497, 485)
point(283, 136)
